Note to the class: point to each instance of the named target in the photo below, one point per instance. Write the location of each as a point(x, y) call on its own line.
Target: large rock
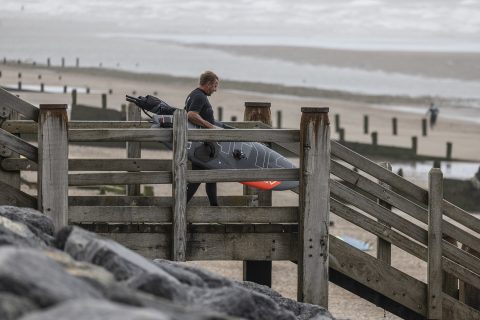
point(38, 223)
point(103, 310)
point(13, 306)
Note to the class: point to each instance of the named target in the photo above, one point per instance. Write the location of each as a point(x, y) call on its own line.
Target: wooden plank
point(53, 163)
point(29, 126)
point(12, 102)
point(105, 164)
point(155, 201)
point(92, 179)
point(242, 214)
point(18, 145)
point(369, 271)
point(378, 172)
point(378, 229)
point(232, 175)
point(384, 249)
point(119, 214)
point(434, 284)
point(453, 309)
point(216, 246)
point(314, 205)
point(247, 135)
point(461, 216)
point(14, 197)
point(179, 186)
point(10, 178)
point(461, 272)
point(114, 135)
point(461, 257)
point(379, 212)
point(134, 149)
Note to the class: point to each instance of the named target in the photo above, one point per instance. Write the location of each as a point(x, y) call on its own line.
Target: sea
point(184, 38)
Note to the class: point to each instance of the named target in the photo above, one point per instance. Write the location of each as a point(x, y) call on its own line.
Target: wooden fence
point(332, 179)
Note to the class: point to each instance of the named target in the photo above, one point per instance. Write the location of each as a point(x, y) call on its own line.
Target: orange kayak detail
point(263, 185)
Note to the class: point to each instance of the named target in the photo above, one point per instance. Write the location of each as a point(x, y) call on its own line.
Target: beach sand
point(231, 95)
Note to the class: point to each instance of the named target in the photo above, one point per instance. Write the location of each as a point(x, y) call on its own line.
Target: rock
point(12, 306)
point(30, 274)
point(101, 310)
point(40, 224)
point(10, 236)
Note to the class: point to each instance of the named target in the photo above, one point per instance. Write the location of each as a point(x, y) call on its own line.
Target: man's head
point(208, 82)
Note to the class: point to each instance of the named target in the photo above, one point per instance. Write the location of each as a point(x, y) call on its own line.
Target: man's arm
point(195, 118)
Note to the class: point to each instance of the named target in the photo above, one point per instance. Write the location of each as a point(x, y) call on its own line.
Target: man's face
point(211, 87)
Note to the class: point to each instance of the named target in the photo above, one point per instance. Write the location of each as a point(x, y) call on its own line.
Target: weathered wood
point(119, 214)
point(378, 172)
point(453, 309)
point(214, 246)
point(106, 164)
point(434, 297)
point(461, 257)
point(384, 249)
point(230, 175)
point(314, 207)
point(53, 163)
point(115, 135)
point(469, 291)
point(378, 229)
point(461, 216)
point(94, 179)
point(242, 214)
point(14, 197)
point(134, 149)
point(179, 186)
point(379, 212)
point(155, 201)
point(381, 277)
point(10, 178)
point(461, 272)
point(18, 145)
point(259, 271)
point(12, 102)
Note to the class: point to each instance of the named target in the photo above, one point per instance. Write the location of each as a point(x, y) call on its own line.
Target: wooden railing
point(350, 186)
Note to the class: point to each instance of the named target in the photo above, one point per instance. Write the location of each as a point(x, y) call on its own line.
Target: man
point(433, 110)
point(200, 112)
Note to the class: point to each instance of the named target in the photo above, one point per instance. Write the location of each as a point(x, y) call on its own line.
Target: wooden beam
point(53, 163)
point(105, 164)
point(93, 179)
point(16, 144)
point(179, 186)
point(434, 297)
point(134, 149)
point(384, 248)
point(12, 102)
point(314, 220)
point(238, 175)
point(14, 197)
point(115, 135)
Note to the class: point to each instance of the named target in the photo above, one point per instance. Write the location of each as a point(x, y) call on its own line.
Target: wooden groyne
point(422, 223)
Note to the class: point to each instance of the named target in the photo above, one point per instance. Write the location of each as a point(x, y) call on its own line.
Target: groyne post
point(53, 163)
point(365, 124)
point(279, 119)
point(74, 98)
point(314, 205)
point(424, 127)
point(42, 87)
point(134, 149)
point(394, 126)
point(179, 186)
point(104, 101)
point(12, 178)
point(63, 62)
point(449, 150)
point(414, 145)
point(434, 285)
point(77, 62)
point(258, 271)
point(375, 138)
point(233, 118)
point(337, 122)
point(341, 134)
point(220, 113)
point(48, 62)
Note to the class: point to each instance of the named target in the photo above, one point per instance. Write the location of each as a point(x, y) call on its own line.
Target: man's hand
point(195, 118)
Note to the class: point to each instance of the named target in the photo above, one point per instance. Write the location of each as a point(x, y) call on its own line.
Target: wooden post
point(414, 145)
point(220, 113)
point(77, 62)
point(435, 200)
point(341, 134)
point(63, 62)
point(74, 98)
point(65, 89)
point(87, 90)
point(233, 118)
point(337, 122)
point(258, 271)
point(19, 85)
point(394, 126)
point(375, 138)
point(468, 294)
point(365, 124)
point(314, 205)
point(384, 248)
point(42, 87)
point(179, 185)
point(104, 101)
point(0, 73)
point(279, 119)
point(48, 62)
point(123, 112)
point(12, 178)
point(134, 149)
point(449, 150)
point(424, 127)
point(19, 75)
point(53, 163)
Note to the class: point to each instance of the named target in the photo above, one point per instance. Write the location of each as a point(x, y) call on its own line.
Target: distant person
point(200, 112)
point(434, 111)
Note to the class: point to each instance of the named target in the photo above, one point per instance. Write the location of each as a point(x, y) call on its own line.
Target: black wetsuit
point(197, 101)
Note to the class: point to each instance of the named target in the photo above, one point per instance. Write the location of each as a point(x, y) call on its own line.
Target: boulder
point(40, 224)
